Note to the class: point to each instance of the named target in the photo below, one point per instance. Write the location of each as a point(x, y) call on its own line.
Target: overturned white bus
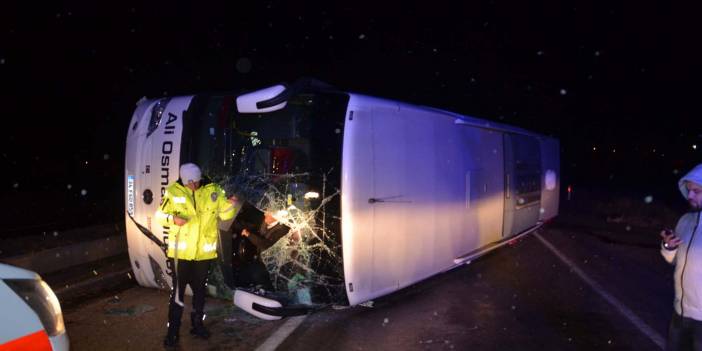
point(377, 194)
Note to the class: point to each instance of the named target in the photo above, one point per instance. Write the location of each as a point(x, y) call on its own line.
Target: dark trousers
point(684, 334)
point(193, 273)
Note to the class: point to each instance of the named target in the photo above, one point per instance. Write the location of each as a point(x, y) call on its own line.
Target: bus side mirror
point(247, 103)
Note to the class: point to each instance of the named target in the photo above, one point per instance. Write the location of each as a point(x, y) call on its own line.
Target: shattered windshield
point(286, 163)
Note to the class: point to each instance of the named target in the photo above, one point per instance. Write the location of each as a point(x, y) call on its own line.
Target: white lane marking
point(283, 332)
point(631, 316)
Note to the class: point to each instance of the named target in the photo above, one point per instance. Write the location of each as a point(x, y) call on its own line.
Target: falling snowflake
point(597, 53)
point(2, 61)
point(69, 186)
point(55, 233)
point(563, 92)
point(83, 192)
point(539, 53)
point(648, 199)
point(16, 185)
point(362, 36)
point(106, 157)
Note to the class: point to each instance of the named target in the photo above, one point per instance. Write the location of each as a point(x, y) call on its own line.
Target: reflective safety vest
point(197, 239)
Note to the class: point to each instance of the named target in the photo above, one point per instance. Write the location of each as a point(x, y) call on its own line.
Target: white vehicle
point(31, 317)
point(378, 194)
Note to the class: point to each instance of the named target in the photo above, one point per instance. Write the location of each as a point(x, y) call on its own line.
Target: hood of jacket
point(695, 175)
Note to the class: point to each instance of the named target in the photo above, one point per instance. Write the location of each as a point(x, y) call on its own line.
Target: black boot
point(171, 339)
point(198, 328)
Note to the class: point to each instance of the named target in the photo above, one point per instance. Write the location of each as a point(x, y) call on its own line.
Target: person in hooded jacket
point(190, 210)
point(683, 248)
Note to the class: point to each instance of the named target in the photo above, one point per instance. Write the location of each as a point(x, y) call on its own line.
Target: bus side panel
point(398, 228)
point(357, 213)
point(550, 159)
point(454, 172)
point(418, 192)
point(485, 200)
point(152, 162)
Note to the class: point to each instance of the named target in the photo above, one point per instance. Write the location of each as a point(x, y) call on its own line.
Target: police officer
point(189, 211)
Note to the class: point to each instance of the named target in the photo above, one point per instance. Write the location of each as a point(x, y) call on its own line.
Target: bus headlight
point(39, 296)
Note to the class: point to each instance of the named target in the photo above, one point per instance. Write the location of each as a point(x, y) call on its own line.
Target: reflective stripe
point(36, 341)
point(179, 199)
point(161, 216)
point(181, 245)
point(209, 247)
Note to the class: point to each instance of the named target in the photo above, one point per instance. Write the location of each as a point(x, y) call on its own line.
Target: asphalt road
point(521, 297)
point(600, 286)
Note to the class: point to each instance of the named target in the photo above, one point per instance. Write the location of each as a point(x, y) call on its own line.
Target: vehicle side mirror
point(247, 103)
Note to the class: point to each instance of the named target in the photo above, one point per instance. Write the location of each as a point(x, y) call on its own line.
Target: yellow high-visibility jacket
point(197, 239)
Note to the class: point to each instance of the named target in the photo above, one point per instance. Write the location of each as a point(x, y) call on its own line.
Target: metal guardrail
point(56, 259)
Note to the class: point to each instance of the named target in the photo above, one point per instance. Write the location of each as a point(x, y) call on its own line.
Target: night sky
point(610, 79)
